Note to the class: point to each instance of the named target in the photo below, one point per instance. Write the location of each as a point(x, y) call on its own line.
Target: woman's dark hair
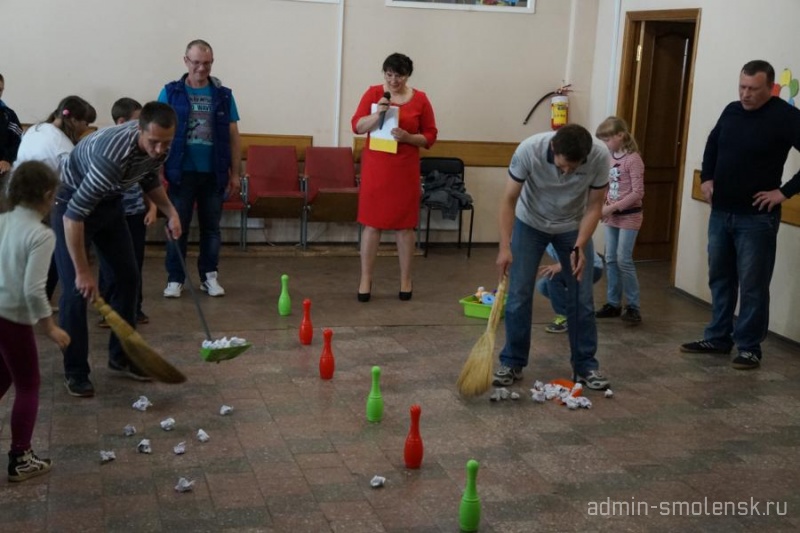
point(399, 64)
point(72, 109)
point(30, 183)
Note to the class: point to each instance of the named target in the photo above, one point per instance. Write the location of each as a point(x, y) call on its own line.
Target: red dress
point(390, 183)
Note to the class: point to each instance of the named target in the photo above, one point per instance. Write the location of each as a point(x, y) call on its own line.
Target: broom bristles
point(136, 348)
point(476, 375)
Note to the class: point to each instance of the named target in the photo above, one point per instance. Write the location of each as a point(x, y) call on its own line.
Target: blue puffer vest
point(178, 98)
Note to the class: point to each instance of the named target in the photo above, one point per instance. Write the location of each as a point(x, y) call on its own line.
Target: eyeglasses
point(394, 76)
point(197, 64)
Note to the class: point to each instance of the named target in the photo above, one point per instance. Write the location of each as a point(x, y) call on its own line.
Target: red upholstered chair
point(331, 184)
point(273, 186)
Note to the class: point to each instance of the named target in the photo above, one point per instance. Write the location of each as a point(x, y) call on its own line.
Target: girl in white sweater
point(26, 246)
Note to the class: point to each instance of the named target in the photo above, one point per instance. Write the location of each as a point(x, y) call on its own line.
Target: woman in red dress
point(390, 182)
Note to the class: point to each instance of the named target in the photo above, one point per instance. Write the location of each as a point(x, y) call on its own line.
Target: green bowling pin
point(375, 401)
point(284, 301)
point(469, 513)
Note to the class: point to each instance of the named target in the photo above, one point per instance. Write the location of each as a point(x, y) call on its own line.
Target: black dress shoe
point(364, 296)
point(405, 296)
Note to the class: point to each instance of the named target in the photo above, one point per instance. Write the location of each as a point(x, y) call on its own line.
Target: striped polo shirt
point(102, 166)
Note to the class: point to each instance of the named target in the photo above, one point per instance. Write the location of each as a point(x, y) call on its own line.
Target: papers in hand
point(381, 139)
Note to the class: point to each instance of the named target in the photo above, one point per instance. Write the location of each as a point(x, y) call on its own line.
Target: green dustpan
point(215, 355)
point(210, 355)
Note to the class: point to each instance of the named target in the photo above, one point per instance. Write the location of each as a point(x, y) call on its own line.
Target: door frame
point(634, 22)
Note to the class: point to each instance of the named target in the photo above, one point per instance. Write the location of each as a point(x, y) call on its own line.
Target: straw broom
point(136, 348)
point(476, 376)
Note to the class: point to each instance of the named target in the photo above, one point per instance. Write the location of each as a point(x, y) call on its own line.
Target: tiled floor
point(297, 454)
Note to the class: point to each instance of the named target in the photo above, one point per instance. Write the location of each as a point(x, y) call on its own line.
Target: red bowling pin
point(414, 450)
point(306, 329)
point(326, 362)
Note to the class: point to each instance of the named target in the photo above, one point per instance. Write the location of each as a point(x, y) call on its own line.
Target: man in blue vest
point(203, 164)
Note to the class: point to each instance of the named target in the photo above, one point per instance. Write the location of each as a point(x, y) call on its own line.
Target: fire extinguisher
point(559, 107)
point(559, 111)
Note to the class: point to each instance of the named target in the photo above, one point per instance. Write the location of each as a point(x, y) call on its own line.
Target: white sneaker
point(212, 286)
point(173, 290)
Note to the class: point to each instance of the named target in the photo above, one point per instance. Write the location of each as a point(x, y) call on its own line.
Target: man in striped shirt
point(89, 209)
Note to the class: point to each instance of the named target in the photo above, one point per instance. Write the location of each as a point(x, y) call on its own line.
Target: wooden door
point(653, 99)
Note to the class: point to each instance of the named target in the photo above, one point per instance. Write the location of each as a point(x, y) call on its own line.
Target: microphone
point(388, 96)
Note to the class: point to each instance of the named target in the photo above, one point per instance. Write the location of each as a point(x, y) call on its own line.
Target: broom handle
point(499, 303)
point(191, 285)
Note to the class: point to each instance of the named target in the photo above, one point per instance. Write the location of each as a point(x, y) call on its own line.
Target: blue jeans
point(741, 257)
point(527, 248)
point(106, 228)
point(621, 270)
point(200, 188)
point(555, 289)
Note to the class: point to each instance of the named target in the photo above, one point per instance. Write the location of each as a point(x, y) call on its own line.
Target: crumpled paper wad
point(202, 436)
point(144, 446)
point(179, 448)
point(580, 401)
point(184, 485)
point(377, 482)
point(225, 410)
point(142, 404)
point(129, 430)
point(168, 424)
point(538, 396)
point(503, 394)
point(106, 456)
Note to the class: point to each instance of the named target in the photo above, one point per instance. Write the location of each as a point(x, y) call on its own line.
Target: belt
point(630, 211)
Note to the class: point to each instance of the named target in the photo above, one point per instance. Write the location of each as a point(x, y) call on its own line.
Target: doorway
point(657, 68)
